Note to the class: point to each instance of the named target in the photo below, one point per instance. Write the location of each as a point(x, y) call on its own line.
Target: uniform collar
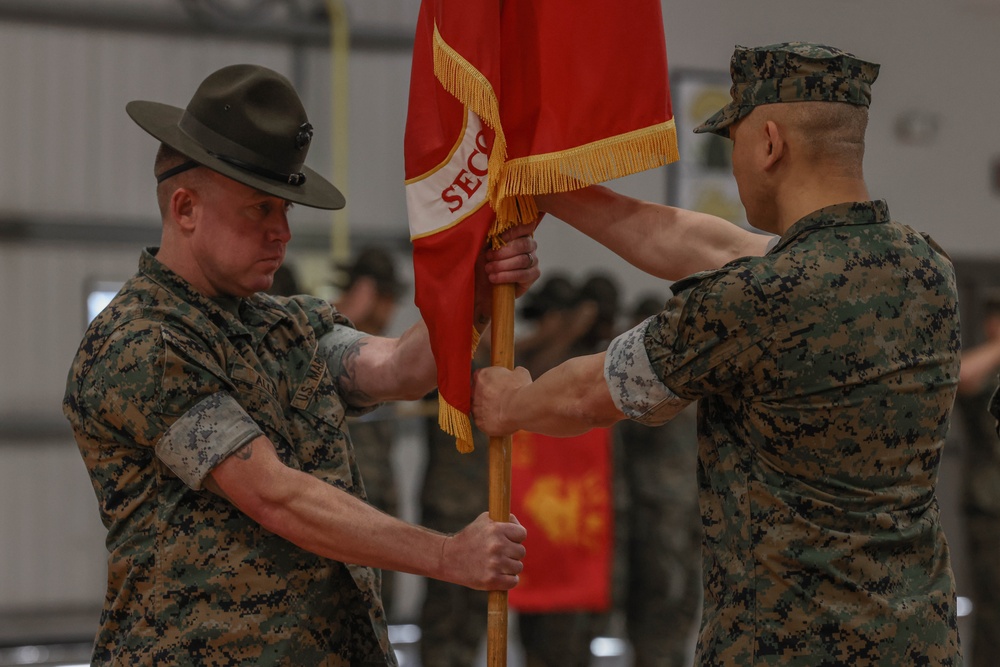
point(247, 317)
point(837, 215)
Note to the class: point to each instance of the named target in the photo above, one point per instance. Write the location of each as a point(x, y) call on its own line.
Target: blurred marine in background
point(978, 407)
point(370, 289)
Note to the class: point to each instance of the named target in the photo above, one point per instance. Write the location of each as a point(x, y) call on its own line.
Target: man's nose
point(280, 229)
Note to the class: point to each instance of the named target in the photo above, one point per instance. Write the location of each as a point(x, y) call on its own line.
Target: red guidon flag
point(560, 492)
point(509, 99)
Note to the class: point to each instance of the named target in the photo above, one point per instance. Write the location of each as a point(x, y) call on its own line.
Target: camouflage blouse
point(825, 373)
point(165, 385)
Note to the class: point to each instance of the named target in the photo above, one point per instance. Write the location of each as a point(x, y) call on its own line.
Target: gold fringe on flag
point(596, 162)
point(455, 422)
point(511, 185)
point(475, 339)
point(468, 85)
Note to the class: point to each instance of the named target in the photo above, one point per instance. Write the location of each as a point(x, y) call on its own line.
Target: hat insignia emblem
point(304, 136)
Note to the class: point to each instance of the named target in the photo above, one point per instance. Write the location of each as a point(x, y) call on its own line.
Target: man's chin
point(248, 290)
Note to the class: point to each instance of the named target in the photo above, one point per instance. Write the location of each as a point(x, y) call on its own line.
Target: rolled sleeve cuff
point(635, 387)
point(205, 436)
point(332, 347)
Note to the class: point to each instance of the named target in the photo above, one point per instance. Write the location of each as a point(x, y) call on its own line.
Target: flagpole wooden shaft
point(502, 354)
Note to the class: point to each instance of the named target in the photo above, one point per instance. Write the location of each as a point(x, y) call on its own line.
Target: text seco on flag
point(509, 99)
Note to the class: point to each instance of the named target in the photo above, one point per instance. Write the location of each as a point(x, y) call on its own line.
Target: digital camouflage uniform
point(166, 384)
point(825, 373)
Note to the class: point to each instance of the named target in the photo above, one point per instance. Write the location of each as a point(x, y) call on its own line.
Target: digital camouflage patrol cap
point(791, 72)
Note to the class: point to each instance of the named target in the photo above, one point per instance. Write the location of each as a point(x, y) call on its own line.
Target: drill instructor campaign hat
point(791, 72)
point(247, 123)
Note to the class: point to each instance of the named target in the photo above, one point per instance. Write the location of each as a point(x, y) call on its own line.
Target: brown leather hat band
point(179, 169)
point(297, 178)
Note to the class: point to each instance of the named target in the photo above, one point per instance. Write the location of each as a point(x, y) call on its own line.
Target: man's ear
point(183, 208)
point(775, 145)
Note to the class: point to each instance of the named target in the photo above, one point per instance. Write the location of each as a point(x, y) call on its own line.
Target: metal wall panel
point(377, 98)
point(71, 151)
point(51, 540)
point(384, 13)
point(42, 297)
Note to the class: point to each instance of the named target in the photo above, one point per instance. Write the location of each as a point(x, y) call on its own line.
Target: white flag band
point(453, 190)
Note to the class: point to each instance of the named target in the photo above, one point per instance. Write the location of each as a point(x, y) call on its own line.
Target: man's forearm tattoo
point(346, 378)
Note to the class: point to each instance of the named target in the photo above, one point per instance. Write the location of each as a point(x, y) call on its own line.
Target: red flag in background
point(560, 492)
point(508, 99)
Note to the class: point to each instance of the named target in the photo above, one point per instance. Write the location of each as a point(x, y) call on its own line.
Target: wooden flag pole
point(502, 354)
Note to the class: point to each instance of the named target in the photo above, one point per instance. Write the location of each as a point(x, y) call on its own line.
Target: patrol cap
point(791, 72)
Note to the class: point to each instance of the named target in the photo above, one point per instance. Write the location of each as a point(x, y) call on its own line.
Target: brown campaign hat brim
point(162, 121)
